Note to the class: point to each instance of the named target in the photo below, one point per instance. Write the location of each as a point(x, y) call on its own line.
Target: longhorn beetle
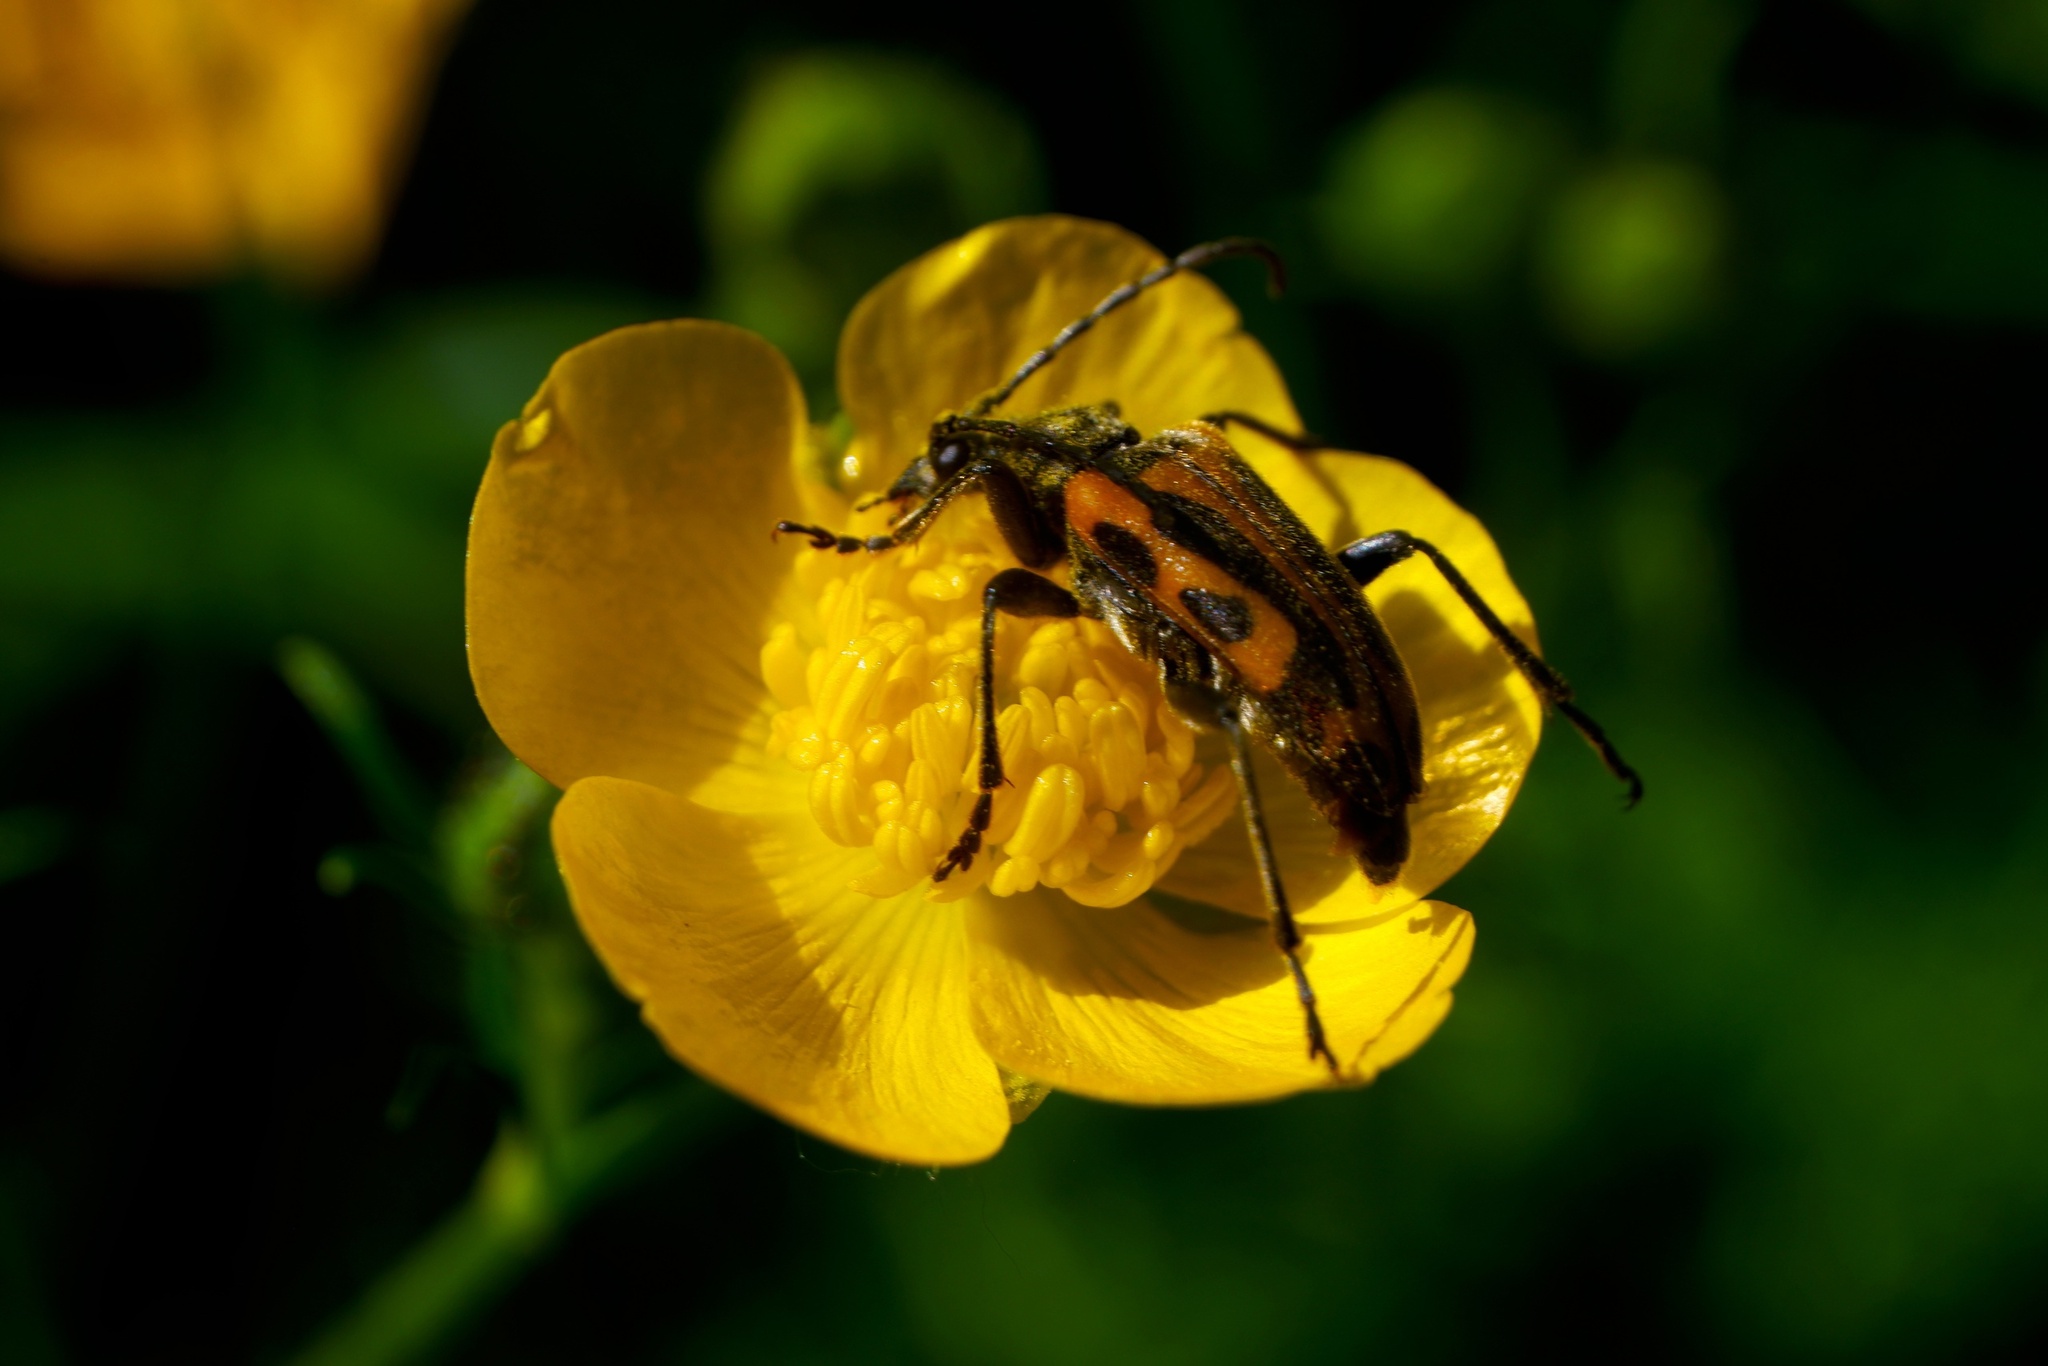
point(1194, 562)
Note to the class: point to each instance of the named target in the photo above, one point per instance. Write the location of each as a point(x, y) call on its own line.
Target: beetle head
point(951, 449)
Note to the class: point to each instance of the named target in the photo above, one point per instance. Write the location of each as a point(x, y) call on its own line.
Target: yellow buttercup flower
point(169, 140)
point(766, 748)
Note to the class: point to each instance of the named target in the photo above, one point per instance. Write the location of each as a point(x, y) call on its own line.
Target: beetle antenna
point(1192, 258)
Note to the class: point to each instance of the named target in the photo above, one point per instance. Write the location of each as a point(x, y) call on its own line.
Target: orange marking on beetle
point(1207, 473)
point(1206, 469)
point(1170, 476)
point(1261, 657)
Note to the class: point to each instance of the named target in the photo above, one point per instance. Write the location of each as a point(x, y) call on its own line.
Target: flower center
point(876, 691)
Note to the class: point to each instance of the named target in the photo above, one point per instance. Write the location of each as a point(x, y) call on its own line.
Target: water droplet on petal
point(534, 430)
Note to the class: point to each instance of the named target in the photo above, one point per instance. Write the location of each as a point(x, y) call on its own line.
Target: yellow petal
point(1480, 717)
point(956, 322)
point(621, 576)
point(844, 1015)
point(1195, 1007)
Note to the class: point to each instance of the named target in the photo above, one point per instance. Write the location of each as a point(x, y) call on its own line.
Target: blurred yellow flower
point(765, 748)
point(166, 140)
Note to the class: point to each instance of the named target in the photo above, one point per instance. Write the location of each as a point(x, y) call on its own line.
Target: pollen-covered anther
point(875, 692)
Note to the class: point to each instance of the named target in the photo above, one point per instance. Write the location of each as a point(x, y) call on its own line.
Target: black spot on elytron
point(1230, 618)
point(1126, 554)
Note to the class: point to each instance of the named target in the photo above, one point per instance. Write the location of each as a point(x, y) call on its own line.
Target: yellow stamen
point(876, 689)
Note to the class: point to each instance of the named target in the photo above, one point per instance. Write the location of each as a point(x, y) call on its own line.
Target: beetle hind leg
point(1286, 931)
point(1017, 593)
point(1368, 558)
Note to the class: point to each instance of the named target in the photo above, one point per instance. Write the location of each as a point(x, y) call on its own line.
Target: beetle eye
point(951, 457)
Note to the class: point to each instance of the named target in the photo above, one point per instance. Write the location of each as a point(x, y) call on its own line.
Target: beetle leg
point(1298, 442)
point(1007, 499)
point(823, 539)
point(1022, 528)
point(1017, 593)
point(907, 528)
point(1286, 933)
point(1368, 558)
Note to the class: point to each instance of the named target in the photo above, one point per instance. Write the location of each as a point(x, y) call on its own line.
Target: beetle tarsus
point(1318, 1041)
point(961, 856)
point(1016, 593)
point(822, 539)
point(1604, 747)
point(1287, 939)
point(817, 535)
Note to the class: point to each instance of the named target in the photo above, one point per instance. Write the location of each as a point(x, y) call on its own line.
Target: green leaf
point(350, 719)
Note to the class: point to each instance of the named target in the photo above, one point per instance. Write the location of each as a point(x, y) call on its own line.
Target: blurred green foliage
point(2001, 42)
point(1431, 197)
point(839, 167)
point(1630, 255)
point(1729, 320)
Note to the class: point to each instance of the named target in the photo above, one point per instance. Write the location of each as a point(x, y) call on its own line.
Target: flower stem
point(350, 719)
point(506, 1224)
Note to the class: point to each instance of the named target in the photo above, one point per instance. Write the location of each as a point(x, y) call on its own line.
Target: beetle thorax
point(1091, 431)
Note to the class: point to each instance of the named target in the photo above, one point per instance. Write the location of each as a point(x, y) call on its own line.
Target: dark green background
point(1732, 322)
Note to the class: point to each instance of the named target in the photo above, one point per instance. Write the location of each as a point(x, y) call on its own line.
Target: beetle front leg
point(1017, 593)
point(903, 533)
point(1366, 559)
point(832, 540)
point(1036, 546)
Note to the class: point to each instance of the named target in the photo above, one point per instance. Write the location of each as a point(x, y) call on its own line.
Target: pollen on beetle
point(876, 693)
